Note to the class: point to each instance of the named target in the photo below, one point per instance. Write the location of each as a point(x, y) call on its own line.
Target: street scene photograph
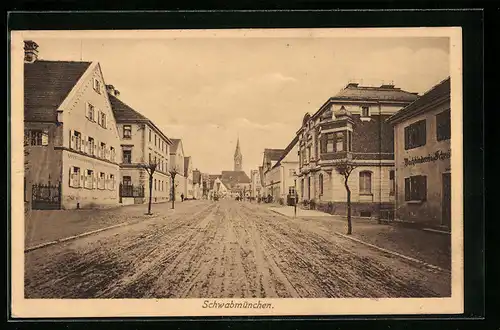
point(237, 166)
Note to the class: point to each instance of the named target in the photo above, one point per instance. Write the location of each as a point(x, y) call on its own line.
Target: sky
point(209, 91)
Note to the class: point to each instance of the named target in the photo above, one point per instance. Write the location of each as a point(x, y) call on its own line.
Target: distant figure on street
point(182, 197)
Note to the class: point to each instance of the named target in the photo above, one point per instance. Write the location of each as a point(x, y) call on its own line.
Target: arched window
point(365, 182)
point(321, 184)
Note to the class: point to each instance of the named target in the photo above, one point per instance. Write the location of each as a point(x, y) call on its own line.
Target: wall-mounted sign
point(438, 155)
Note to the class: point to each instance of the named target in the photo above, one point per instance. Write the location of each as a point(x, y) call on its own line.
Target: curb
point(61, 240)
point(423, 263)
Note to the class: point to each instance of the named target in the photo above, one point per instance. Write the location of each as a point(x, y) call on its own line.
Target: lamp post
point(295, 192)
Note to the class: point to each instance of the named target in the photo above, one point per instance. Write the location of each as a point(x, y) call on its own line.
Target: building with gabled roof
point(141, 143)
point(178, 163)
point(422, 147)
point(71, 134)
point(351, 127)
point(280, 179)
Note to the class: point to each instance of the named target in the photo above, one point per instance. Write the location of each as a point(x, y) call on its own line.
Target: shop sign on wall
point(438, 155)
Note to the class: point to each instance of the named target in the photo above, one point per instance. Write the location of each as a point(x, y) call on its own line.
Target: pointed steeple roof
point(237, 152)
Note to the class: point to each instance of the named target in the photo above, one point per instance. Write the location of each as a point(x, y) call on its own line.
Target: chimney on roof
point(30, 51)
point(111, 90)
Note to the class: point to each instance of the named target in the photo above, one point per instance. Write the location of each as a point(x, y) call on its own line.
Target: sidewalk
point(41, 226)
point(430, 247)
point(289, 212)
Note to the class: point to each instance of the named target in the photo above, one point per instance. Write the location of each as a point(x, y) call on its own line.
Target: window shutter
point(94, 180)
point(423, 132)
point(45, 137)
point(71, 139)
point(407, 189)
point(70, 176)
point(423, 187)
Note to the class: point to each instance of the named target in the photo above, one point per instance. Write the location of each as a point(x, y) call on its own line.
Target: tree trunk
point(150, 193)
point(173, 192)
point(349, 223)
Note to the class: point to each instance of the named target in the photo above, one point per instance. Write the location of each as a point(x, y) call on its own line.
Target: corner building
point(351, 126)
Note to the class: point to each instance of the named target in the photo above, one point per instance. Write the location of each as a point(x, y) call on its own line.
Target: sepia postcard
point(236, 172)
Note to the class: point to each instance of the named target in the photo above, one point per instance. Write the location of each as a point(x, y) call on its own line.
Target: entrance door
point(446, 203)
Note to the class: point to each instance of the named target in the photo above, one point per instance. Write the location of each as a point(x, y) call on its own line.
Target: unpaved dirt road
point(221, 250)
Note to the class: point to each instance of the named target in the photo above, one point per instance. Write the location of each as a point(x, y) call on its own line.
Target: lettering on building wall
point(438, 155)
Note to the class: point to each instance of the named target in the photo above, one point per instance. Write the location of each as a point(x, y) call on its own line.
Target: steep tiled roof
point(212, 178)
point(273, 154)
point(187, 161)
point(382, 93)
point(366, 132)
point(232, 178)
point(287, 150)
point(124, 112)
point(46, 85)
point(439, 91)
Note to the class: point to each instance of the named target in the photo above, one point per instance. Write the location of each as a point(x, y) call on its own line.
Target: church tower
point(238, 158)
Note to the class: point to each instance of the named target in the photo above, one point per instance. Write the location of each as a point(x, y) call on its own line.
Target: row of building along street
point(84, 147)
point(88, 162)
point(398, 144)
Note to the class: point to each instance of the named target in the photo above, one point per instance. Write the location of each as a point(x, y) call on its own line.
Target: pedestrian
point(182, 197)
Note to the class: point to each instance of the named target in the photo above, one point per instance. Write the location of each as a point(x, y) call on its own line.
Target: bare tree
point(345, 169)
point(150, 169)
point(173, 173)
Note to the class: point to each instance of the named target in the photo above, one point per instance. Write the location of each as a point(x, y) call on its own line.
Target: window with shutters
point(102, 181)
point(365, 183)
point(112, 154)
point(127, 131)
point(416, 188)
point(392, 183)
point(90, 112)
point(97, 85)
point(103, 150)
point(89, 177)
point(443, 126)
point(91, 145)
point(111, 185)
point(415, 135)
point(150, 135)
point(39, 137)
point(76, 139)
point(75, 177)
point(102, 120)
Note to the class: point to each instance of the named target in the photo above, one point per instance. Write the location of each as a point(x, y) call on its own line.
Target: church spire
point(238, 158)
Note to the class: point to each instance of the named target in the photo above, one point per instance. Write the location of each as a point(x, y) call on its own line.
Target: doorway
point(446, 202)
